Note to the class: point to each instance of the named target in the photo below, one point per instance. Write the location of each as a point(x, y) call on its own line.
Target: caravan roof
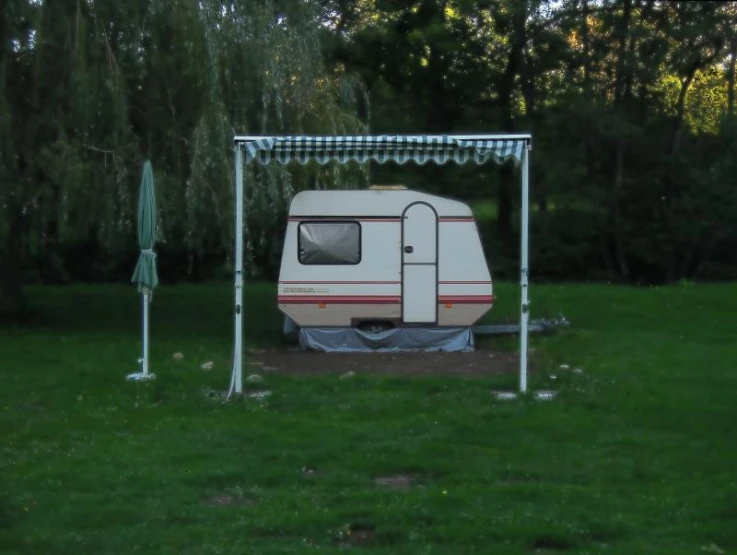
point(361, 202)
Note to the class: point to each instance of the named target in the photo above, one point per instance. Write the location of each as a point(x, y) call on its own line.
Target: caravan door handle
point(408, 249)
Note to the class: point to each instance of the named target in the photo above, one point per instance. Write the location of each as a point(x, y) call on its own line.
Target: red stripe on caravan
point(465, 296)
point(343, 218)
point(395, 219)
point(340, 282)
point(467, 299)
point(339, 299)
point(378, 282)
point(377, 299)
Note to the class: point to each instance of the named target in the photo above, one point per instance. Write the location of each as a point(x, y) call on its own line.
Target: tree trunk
point(504, 207)
point(586, 43)
point(506, 91)
point(616, 213)
point(730, 77)
point(529, 93)
point(681, 107)
point(12, 301)
point(672, 270)
point(706, 255)
point(590, 150)
point(621, 90)
point(675, 269)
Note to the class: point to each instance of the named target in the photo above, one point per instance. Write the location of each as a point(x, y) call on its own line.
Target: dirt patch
point(401, 482)
point(481, 362)
point(225, 500)
point(357, 536)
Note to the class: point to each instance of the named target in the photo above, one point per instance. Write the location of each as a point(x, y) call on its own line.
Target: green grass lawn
point(638, 454)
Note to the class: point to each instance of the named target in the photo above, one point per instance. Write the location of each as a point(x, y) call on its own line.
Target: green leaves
point(627, 99)
point(104, 85)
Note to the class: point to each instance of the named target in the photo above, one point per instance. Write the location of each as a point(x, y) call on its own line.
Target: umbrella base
point(140, 376)
point(542, 395)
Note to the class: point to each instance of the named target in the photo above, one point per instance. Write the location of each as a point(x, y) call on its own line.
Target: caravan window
point(329, 242)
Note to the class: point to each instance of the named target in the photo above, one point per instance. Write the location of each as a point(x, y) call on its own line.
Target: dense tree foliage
point(631, 103)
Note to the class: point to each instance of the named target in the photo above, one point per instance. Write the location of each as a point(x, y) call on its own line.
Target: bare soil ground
point(482, 362)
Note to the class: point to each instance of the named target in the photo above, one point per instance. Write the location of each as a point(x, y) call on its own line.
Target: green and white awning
point(420, 149)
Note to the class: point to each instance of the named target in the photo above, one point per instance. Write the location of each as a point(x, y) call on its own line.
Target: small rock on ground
point(207, 365)
point(254, 378)
point(260, 395)
point(177, 356)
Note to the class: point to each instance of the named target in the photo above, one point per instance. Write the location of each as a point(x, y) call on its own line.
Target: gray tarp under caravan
point(419, 149)
point(351, 340)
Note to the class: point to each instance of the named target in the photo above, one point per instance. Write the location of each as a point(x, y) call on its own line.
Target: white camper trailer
point(380, 258)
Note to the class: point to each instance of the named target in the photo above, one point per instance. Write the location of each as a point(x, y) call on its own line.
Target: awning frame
point(243, 142)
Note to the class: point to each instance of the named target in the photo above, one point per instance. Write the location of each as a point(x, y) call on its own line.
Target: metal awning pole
point(238, 343)
point(524, 270)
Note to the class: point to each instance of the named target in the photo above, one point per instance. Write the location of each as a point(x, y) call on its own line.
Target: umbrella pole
point(144, 373)
point(144, 365)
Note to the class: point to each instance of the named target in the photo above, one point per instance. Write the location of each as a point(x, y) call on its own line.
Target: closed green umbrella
point(145, 274)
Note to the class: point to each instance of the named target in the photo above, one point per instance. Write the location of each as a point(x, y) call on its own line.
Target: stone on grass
point(207, 365)
point(347, 375)
point(177, 356)
point(505, 395)
point(259, 395)
point(544, 395)
point(254, 378)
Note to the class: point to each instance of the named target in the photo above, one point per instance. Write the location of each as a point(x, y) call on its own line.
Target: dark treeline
point(630, 102)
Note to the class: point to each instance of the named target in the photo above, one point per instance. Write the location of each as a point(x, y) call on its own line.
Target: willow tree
point(90, 89)
point(11, 45)
point(266, 76)
point(64, 135)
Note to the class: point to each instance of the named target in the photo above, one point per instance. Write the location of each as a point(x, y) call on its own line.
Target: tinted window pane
point(329, 243)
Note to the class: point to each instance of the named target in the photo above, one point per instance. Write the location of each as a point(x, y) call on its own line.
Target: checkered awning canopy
point(420, 149)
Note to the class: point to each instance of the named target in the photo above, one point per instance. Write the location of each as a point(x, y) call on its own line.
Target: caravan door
point(419, 264)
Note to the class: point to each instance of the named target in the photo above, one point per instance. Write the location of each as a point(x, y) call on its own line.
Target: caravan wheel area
point(382, 257)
